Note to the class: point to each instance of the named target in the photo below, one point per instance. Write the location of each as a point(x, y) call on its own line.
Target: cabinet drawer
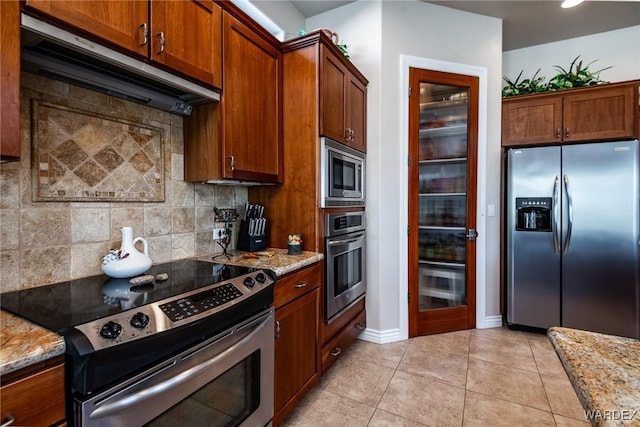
point(36, 400)
point(297, 284)
point(336, 347)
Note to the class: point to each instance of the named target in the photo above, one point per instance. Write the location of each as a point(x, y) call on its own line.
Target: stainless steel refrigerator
point(573, 237)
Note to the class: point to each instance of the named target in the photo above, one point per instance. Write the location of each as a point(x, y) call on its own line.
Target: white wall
point(619, 49)
point(282, 13)
point(378, 33)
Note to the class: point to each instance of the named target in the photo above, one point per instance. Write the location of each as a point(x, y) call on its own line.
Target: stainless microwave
point(342, 175)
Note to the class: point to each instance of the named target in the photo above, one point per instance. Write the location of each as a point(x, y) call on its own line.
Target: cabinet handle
point(352, 134)
point(232, 163)
point(558, 133)
point(277, 329)
point(360, 326)
point(9, 421)
point(163, 41)
point(566, 132)
point(145, 34)
point(301, 284)
point(336, 352)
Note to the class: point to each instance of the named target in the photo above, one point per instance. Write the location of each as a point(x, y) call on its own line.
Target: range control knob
point(139, 320)
point(110, 330)
point(260, 277)
point(249, 282)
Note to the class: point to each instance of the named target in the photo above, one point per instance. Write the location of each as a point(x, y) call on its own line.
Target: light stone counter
point(23, 344)
point(605, 373)
point(280, 263)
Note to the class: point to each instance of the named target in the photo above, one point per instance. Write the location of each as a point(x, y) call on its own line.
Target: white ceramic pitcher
point(128, 261)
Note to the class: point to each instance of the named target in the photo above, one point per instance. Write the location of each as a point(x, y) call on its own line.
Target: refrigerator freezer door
point(600, 286)
point(533, 258)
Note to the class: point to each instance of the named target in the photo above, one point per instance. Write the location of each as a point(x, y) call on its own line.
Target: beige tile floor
point(489, 377)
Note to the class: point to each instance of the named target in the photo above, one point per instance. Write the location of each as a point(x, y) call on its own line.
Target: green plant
point(576, 76)
point(533, 85)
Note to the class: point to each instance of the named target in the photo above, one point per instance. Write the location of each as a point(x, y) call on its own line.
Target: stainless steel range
point(196, 349)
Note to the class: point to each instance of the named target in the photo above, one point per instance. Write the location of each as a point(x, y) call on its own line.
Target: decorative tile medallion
point(83, 156)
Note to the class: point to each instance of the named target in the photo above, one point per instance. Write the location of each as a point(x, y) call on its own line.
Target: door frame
point(407, 62)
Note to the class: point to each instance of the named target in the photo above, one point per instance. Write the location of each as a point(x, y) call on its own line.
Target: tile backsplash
point(44, 242)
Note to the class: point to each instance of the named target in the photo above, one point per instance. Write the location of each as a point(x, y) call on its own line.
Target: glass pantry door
point(443, 141)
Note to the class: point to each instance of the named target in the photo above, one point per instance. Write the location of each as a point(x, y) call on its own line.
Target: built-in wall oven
point(194, 350)
point(344, 260)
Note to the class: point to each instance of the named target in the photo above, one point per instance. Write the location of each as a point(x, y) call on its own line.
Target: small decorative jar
point(127, 261)
point(294, 244)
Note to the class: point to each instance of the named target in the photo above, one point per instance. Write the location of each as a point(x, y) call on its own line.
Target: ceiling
point(529, 23)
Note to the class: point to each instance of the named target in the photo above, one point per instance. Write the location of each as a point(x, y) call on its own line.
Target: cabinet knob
point(336, 352)
point(145, 34)
point(566, 132)
point(558, 133)
point(232, 163)
point(348, 134)
point(163, 41)
point(277, 329)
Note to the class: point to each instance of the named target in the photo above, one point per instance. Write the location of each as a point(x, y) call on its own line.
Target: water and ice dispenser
point(533, 213)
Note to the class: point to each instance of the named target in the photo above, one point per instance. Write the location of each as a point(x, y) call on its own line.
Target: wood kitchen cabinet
point(35, 398)
point(297, 350)
point(10, 81)
point(153, 30)
point(604, 112)
point(305, 88)
point(343, 100)
point(241, 137)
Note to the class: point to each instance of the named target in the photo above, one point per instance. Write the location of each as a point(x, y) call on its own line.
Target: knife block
point(250, 243)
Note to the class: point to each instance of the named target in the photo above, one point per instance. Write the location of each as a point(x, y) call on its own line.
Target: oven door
point(224, 381)
point(345, 271)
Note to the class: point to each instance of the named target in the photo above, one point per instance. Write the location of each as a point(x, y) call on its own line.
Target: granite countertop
point(23, 344)
point(280, 263)
point(604, 371)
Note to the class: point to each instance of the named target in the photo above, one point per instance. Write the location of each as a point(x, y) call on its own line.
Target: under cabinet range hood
point(55, 53)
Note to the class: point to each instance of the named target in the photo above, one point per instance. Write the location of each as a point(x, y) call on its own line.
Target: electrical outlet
point(218, 233)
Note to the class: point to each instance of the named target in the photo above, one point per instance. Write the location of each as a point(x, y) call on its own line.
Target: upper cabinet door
point(10, 81)
point(357, 118)
point(251, 105)
point(531, 121)
point(343, 102)
point(187, 36)
point(333, 81)
point(119, 22)
point(605, 113)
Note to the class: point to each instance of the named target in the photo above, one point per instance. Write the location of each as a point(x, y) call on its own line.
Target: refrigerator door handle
point(554, 226)
point(570, 208)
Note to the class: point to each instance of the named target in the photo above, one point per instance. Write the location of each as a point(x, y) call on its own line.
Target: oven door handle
point(134, 394)
point(345, 242)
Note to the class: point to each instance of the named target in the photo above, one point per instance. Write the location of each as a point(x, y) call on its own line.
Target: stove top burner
point(100, 305)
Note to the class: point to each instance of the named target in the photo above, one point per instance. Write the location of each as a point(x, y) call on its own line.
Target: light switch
point(491, 210)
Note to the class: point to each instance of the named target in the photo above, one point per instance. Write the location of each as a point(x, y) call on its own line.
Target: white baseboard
point(381, 337)
point(490, 322)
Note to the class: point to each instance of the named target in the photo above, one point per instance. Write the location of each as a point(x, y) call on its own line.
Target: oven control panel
point(173, 312)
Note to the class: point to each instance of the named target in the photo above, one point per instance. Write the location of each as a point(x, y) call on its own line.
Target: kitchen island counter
point(604, 371)
point(279, 262)
point(23, 344)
